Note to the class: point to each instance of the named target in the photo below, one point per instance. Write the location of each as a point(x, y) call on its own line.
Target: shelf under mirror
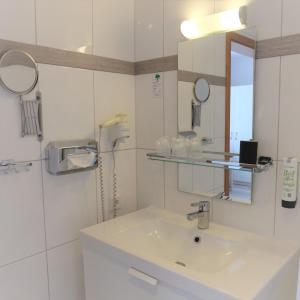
point(210, 162)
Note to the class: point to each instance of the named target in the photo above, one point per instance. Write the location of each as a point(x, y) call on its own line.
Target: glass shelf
point(210, 162)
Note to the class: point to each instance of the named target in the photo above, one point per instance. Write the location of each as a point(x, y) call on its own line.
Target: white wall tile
point(287, 220)
point(148, 29)
point(218, 112)
point(185, 178)
point(26, 279)
point(21, 212)
point(204, 55)
point(170, 103)
point(289, 144)
point(65, 24)
point(185, 96)
point(68, 103)
point(114, 28)
point(196, 180)
point(222, 5)
point(70, 205)
point(259, 217)
point(290, 17)
point(126, 181)
point(66, 278)
point(149, 112)
point(265, 15)
point(203, 179)
point(174, 199)
point(114, 93)
point(176, 11)
point(17, 20)
point(185, 55)
point(68, 113)
point(13, 146)
point(150, 181)
point(266, 105)
point(220, 54)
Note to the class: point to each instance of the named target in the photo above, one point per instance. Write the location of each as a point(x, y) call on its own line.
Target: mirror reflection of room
point(227, 62)
point(240, 56)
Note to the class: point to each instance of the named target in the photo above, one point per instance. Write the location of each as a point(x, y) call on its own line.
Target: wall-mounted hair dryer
point(117, 129)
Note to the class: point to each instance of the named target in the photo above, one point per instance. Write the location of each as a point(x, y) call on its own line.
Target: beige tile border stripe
point(288, 45)
point(276, 47)
point(66, 58)
point(282, 46)
point(187, 76)
point(161, 64)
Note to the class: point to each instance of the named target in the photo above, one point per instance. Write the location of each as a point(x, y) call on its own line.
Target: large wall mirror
point(226, 62)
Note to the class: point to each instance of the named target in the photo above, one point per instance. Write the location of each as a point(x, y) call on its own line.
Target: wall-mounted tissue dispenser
point(67, 157)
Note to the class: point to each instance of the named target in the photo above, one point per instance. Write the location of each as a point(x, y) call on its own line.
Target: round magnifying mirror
point(201, 89)
point(18, 72)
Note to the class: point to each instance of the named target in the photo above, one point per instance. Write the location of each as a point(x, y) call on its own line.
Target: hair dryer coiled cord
point(115, 196)
point(100, 185)
point(100, 191)
point(115, 186)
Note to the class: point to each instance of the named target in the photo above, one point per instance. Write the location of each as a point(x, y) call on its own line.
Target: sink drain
point(180, 263)
point(197, 239)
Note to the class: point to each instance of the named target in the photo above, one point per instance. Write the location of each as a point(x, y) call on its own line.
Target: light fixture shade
point(229, 20)
point(190, 29)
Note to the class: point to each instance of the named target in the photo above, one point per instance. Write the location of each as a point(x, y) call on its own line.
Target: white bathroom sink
point(224, 264)
point(175, 244)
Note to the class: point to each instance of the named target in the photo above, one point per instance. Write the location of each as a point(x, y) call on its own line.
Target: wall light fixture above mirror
point(230, 20)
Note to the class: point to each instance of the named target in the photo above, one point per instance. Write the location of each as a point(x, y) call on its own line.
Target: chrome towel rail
point(10, 166)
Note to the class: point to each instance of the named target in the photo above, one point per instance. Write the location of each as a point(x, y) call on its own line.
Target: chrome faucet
point(202, 214)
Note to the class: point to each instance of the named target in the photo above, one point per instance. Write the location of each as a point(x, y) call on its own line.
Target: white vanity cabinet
point(107, 278)
point(152, 254)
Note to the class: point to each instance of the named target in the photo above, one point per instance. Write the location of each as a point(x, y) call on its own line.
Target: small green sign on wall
point(156, 85)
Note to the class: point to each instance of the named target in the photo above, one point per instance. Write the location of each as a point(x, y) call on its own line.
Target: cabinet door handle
point(142, 276)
